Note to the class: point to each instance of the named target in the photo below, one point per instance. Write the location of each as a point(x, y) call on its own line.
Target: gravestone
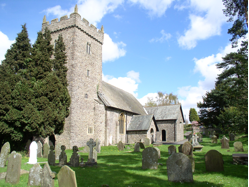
point(27, 145)
point(13, 168)
point(158, 152)
point(179, 168)
point(141, 144)
point(232, 137)
point(238, 147)
point(95, 155)
point(146, 141)
point(35, 175)
point(189, 137)
point(47, 176)
point(45, 150)
point(137, 147)
point(39, 149)
point(120, 146)
point(214, 161)
point(33, 153)
point(5, 150)
point(63, 156)
point(187, 148)
point(98, 146)
point(180, 148)
point(51, 156)
point(91, 161)
point(171, 149)
point(57, 151)
point(191, 158)
point(149, 158)
point(194, 140)
point(200, 138)
point(214, 139)
point(67, 177)
point(75, 158)
point(224, 143)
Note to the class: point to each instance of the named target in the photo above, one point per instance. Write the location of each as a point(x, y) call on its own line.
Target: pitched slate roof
point(141, 122)
point(115, 97)
point(169, 112)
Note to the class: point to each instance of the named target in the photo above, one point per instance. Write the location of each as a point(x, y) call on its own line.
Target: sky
point(171, 46)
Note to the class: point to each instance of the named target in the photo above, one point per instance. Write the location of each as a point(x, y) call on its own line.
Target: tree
point(150, 102)
point(162, 99)
point(193, 116)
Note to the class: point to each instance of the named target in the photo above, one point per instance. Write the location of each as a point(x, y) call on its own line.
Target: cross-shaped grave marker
point(91, 144)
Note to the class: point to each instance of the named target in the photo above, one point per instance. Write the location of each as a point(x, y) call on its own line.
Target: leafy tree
point(162, 99)
point(193, 116)
point(150, 102)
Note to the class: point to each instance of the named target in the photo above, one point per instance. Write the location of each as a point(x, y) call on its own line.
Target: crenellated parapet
point(74, 21)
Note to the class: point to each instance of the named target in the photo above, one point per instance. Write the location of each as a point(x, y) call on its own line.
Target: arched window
point(121, 123)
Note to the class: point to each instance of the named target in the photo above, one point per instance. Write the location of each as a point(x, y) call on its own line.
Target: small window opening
point(90, 130)
point(88, 73)
point(86, 96)
point(88, 48)
point(54, 44)
point(121, 124)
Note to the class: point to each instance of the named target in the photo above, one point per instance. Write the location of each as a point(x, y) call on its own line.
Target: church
point(98, 109)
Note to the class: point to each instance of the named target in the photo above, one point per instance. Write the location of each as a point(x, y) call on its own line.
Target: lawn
point(124, 169)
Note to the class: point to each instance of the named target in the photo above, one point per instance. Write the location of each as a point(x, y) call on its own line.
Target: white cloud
point(165, 36)
point(111, 50)
point(155, 7)
point(4, 45)
point(129, 83)
point(203, 27)
point(117, 16)
point(92, 10)
point(144, 99)
point(168, 58)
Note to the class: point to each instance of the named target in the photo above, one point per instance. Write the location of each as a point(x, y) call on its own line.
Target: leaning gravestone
point(171, 149)
point(45, 150)
point(214, 161)
point(120, 146)
point(57, 151)
point(4, 154)
point(224, 143)
point(39, 149)
point(51, 156)
point(214, 139)
point(63, 156)
point(179, 168)
point(149, 158)
point(137, 147)
point(141, 144)
point(159, 152)
point(47, 176)
point(13, 168)
point(75, 158)
point(35, 175)
point(67, 177)
point(232, 137)
point(146, 141)
point(238, 147)
point(33, 153)
point(98, 146)
point(187, 148)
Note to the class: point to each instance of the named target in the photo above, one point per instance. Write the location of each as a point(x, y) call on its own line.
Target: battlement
point(74, 21)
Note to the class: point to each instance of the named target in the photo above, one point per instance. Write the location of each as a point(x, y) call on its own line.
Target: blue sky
point(149, 46)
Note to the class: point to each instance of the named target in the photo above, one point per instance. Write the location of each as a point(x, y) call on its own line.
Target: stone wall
point(179, 128)
point(136, 136)
point(169, 127)
point(149, 134)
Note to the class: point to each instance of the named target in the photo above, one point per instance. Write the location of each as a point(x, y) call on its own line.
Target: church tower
point(84, 62)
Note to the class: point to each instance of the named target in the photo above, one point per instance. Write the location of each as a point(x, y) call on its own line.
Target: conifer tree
point(193, 116)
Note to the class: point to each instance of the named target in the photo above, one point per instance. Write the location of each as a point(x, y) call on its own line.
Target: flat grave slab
point(198, 148)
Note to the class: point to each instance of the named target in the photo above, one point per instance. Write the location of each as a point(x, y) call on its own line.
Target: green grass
point(124, 168)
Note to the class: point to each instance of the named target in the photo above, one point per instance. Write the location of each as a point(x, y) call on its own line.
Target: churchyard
point(124, 168)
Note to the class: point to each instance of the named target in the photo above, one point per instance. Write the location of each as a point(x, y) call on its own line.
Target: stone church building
point(98, 109)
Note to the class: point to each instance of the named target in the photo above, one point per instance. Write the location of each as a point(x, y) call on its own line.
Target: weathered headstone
point(45, 150)
point(187, 149)
point(5, 150)
point(189, 137)
point(214, 139)
point(57, 151)
point(146, 141)
point(98, 146)
point(51, 156)
point(141, 144)
point(91, 161)
point(159, 152)
point(179, 168)
point(120, 146)
point(33, 153)
point(35, 175)
point(39, 149)
point(238, 147)
point(13, 168)
point(137, 147)
point(75, 158)
point(150, 158)
point(63, 156)
point(171, 149)
point(95, 155)
point(200, 138)
point(180, 148)
point(191, 158)
point(47, 176)
point(194, 140)
point(224, 143)
point(232, 137)
point(214, 161)
point(67, 177)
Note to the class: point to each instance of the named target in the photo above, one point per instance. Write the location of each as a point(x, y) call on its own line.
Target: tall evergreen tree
point(193, 116)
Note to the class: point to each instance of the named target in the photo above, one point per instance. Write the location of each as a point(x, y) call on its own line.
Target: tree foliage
point(162, 99)
point(193, 116)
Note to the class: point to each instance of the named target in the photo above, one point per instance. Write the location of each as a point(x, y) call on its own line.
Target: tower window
point(121, 124)
point(86, 96)
point(90, 130)
point(88, 48)
point(54, 44)
point(88, 73)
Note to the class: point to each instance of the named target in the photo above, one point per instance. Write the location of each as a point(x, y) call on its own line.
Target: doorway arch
point(163, 135)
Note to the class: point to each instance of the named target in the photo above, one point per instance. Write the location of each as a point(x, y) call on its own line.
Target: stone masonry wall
point(180, 128)
point(149, 134)
point(169, 127)
point(136, 136)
